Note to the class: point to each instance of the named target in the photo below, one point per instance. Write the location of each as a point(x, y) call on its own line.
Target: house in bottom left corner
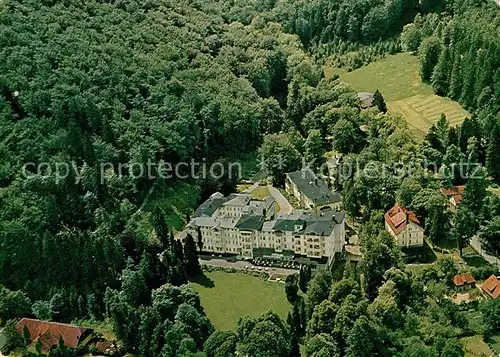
point(50, 334)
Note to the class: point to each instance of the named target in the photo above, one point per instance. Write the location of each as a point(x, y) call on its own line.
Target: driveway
point(251, 188)
point(285, 206)
point(240, 265)
point(476, 244)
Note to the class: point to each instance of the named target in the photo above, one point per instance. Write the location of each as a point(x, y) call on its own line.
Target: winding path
point(285, 206)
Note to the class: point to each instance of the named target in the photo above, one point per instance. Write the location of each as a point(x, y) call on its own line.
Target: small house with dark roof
point(464, 281)
point(310, 191)
point(366, 99)
point(50, 333)
point(404, 226)
point(491, 287)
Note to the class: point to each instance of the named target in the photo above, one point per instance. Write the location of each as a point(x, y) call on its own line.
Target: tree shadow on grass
point(203, 280)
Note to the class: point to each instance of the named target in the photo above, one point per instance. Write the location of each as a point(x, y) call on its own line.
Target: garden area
point(477, 345)
point(228, 296)
point(397, 78)
point(276, 263)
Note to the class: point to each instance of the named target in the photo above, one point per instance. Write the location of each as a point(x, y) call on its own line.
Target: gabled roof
point(312, 187)
point(492, 287)
point(454, 192)
point(398, 218)
point(307, 222)
point(463, 279)
point(238, 199)
point(106, 347)
point(207, 208)
point(49, 333)
point(259, 207)
point(366, 99)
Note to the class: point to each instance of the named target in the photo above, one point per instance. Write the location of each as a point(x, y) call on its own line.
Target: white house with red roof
point(404, 226)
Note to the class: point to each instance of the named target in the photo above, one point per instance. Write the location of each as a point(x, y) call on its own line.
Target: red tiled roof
point(462, 279)
point(492, 287)
point(455, 192)
point(452, 191)
point(48, 333)
point(458, 199)
point(398, 217)
point(105, 347)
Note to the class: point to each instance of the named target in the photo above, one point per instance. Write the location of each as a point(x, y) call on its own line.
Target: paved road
point(285, 206)
point(240, 265)
point(251, 188)
point(476, 244)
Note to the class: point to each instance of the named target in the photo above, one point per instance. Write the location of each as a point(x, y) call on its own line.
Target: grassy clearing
point(474, 346)
point(421, 111)
point(175, 201)
point(242, 187)
point(228, 296)
point(473, 259)
point(397, 77)
point(260, 192)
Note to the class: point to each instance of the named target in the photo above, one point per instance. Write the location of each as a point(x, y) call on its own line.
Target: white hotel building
point(238, 224)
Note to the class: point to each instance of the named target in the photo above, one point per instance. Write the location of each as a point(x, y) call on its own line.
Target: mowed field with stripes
point(397, 77)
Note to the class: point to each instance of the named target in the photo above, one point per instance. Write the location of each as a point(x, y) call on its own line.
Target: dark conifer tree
point(469, 76)
point(178, 270)
point(294, 346)
point(456, 78)
point(199, 239)
point(441, 75)
point(191, 261)
point(161, 228)
point(493, 154)
point(452, 138)
point(469, 128)
point(304, 277)
point(379, 102)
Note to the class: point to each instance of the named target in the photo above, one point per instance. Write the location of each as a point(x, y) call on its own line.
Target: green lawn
point(175, 202)
point(242, 187)
point(228, 296)
point(474, 346)
point(260, 192)
point(397, 77)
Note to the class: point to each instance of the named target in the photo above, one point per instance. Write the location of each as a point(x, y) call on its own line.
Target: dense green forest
point(95, 84)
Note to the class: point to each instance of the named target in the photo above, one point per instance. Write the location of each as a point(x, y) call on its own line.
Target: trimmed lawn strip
point(231, 296)
point(474, 346)
point(397, 77)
